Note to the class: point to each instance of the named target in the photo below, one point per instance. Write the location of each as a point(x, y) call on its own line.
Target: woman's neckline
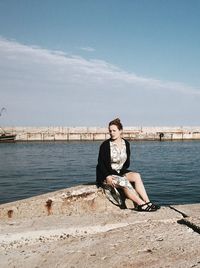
point(119, 146)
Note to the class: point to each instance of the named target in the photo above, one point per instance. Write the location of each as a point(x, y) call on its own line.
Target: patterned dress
point(118, 158)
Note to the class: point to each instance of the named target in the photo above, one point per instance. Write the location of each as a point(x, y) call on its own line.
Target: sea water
point(170, 170)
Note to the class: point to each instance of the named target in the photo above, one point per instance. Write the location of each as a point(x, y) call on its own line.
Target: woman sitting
point(113, 174)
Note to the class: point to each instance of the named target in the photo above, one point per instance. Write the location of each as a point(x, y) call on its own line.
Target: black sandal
point(153, 205)
point(145, 207)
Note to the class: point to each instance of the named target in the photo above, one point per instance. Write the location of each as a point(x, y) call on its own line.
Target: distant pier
point(98, 133)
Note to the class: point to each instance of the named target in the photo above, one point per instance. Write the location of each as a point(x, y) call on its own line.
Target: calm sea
point(170, 170)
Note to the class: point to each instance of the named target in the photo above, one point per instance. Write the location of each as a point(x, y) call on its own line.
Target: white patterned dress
point(118, 158)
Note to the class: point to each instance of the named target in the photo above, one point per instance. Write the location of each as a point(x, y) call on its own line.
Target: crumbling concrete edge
point(187, 220)
point(182, 213)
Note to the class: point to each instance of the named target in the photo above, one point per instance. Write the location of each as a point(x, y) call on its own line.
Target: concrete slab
point(191, 222)
point(75, 200)
point(190, 210)
point(104, 236)
point(123, 239)
point(191, 215)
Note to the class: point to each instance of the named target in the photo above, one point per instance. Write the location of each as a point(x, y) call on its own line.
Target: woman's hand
point(110, 180)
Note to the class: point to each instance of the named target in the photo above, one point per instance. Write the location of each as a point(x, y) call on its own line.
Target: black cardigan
point(104, 168)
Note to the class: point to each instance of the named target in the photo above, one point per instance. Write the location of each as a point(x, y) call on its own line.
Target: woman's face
point(114, 132)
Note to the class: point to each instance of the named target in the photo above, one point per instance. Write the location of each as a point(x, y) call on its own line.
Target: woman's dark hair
point(117, 123)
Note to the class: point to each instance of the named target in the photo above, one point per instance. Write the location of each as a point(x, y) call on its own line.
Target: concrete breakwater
point(79, 227)
point(98, 133)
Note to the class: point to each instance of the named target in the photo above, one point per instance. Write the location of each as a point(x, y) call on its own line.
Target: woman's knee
point(134, 176)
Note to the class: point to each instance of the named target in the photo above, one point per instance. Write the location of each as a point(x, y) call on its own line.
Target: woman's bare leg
point(134, 197)
point(139, 186)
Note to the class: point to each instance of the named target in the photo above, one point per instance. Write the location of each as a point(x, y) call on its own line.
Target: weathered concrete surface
point(75, 200)
point(84, 235)
point(188, 210)
point(191, 216)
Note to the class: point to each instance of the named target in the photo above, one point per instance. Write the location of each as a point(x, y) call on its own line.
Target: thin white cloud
point(88, 49)
point(53, 86)
point(77, 65)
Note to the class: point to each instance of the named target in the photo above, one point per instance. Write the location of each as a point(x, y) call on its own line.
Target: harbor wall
point(98, 133)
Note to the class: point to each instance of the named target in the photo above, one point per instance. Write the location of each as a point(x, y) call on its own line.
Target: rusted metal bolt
point(10, 213)
point(49, 205)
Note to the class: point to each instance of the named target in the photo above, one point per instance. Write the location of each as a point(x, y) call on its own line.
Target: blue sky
point(83, 63)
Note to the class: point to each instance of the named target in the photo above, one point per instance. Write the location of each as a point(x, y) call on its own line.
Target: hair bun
point(117, 120)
